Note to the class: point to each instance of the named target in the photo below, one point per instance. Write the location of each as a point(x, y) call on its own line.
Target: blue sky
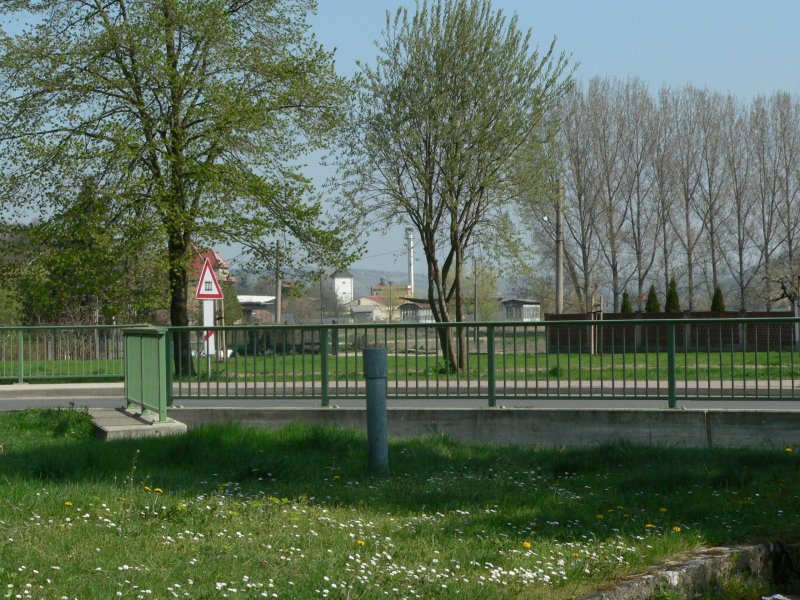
point(743, 47)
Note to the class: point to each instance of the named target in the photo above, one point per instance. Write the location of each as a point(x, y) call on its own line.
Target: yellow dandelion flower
point(158, 490)
point(361, 542)
point(526, 544)
point(620, 508)
point(336, 477)
point(789, 450)
point(148, 488)
point(600, 517)
point(662, 509)
point(676, 529)
point(67, 503)
point(649, 526)
point(610, 510)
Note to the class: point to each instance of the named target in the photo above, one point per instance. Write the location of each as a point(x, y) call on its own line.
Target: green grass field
point(226, 511)
point(509, 366)
point(747, 366)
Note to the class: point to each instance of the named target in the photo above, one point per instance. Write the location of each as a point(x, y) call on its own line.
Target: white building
point(343, 286)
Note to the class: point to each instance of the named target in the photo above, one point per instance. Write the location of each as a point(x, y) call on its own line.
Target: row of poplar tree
point(687, 183)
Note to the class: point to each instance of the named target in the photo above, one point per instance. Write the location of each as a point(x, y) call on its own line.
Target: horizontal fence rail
point(62, 353)
point(653, 359)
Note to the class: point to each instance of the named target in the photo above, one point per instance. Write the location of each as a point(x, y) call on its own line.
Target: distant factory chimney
point(410, 244)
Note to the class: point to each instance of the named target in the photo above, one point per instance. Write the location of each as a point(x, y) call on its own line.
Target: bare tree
point(664, 180)
point(785, 115)
point(580, 206)
point(712, 209)
point(736, 150)
point(766, 234)
point(645, 215)
point(688, 164)
point(607, 125)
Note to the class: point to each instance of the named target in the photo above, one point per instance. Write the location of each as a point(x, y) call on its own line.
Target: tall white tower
point(410, 244)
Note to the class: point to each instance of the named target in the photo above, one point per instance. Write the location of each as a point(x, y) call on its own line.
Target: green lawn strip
point(294, 513)
point(701, 367)
point(540, 367)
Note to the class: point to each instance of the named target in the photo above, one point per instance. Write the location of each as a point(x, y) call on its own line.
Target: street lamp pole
point(475, 298)
point(559, 250)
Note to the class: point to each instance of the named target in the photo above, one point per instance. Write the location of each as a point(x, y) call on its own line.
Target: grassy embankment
point(229, 511)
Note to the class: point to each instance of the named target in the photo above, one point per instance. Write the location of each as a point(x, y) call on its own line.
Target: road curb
point(25, 391)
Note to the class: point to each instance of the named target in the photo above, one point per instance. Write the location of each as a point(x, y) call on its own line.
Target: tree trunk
point(438, 302)
point(178, 309)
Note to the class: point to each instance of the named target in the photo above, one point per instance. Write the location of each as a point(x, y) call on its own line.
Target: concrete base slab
point(548, 428)
point(118, 423)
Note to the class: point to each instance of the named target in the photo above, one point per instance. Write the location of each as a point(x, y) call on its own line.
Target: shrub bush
point(652, 305)
point(672, 303)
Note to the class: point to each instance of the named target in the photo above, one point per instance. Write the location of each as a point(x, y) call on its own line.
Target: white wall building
point(343, 286)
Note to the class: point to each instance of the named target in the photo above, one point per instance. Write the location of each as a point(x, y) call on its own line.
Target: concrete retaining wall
point(541, 427)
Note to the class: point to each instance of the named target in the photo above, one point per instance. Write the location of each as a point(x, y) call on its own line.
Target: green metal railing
point(147, 375)
point(61, 353)
point(653, 359)
point(668, 360)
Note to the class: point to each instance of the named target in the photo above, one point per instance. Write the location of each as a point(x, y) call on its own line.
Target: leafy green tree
point(82, 266)
point(439, 127)
point(717, 301)
point(627, 307)
point(190, 114)
point(672, 302)
point(10, 307)
point(233, 310)
point(652, 305)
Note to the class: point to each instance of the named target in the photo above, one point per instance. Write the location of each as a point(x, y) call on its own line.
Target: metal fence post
point(671, 397)
point(323, 367)
point(376, 373)
point(491, 378)
point(20, 356)
point(168, 365)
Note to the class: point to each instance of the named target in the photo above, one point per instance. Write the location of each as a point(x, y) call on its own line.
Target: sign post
point(208, 290)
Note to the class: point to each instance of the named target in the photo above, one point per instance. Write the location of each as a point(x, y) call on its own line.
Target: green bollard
point(376, 373)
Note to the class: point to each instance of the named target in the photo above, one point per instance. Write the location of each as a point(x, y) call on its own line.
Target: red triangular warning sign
point(208, 286)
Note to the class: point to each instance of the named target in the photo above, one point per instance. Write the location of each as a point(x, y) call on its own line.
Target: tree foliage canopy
point(187, 114)
point(440, 123)
point(80, 266)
